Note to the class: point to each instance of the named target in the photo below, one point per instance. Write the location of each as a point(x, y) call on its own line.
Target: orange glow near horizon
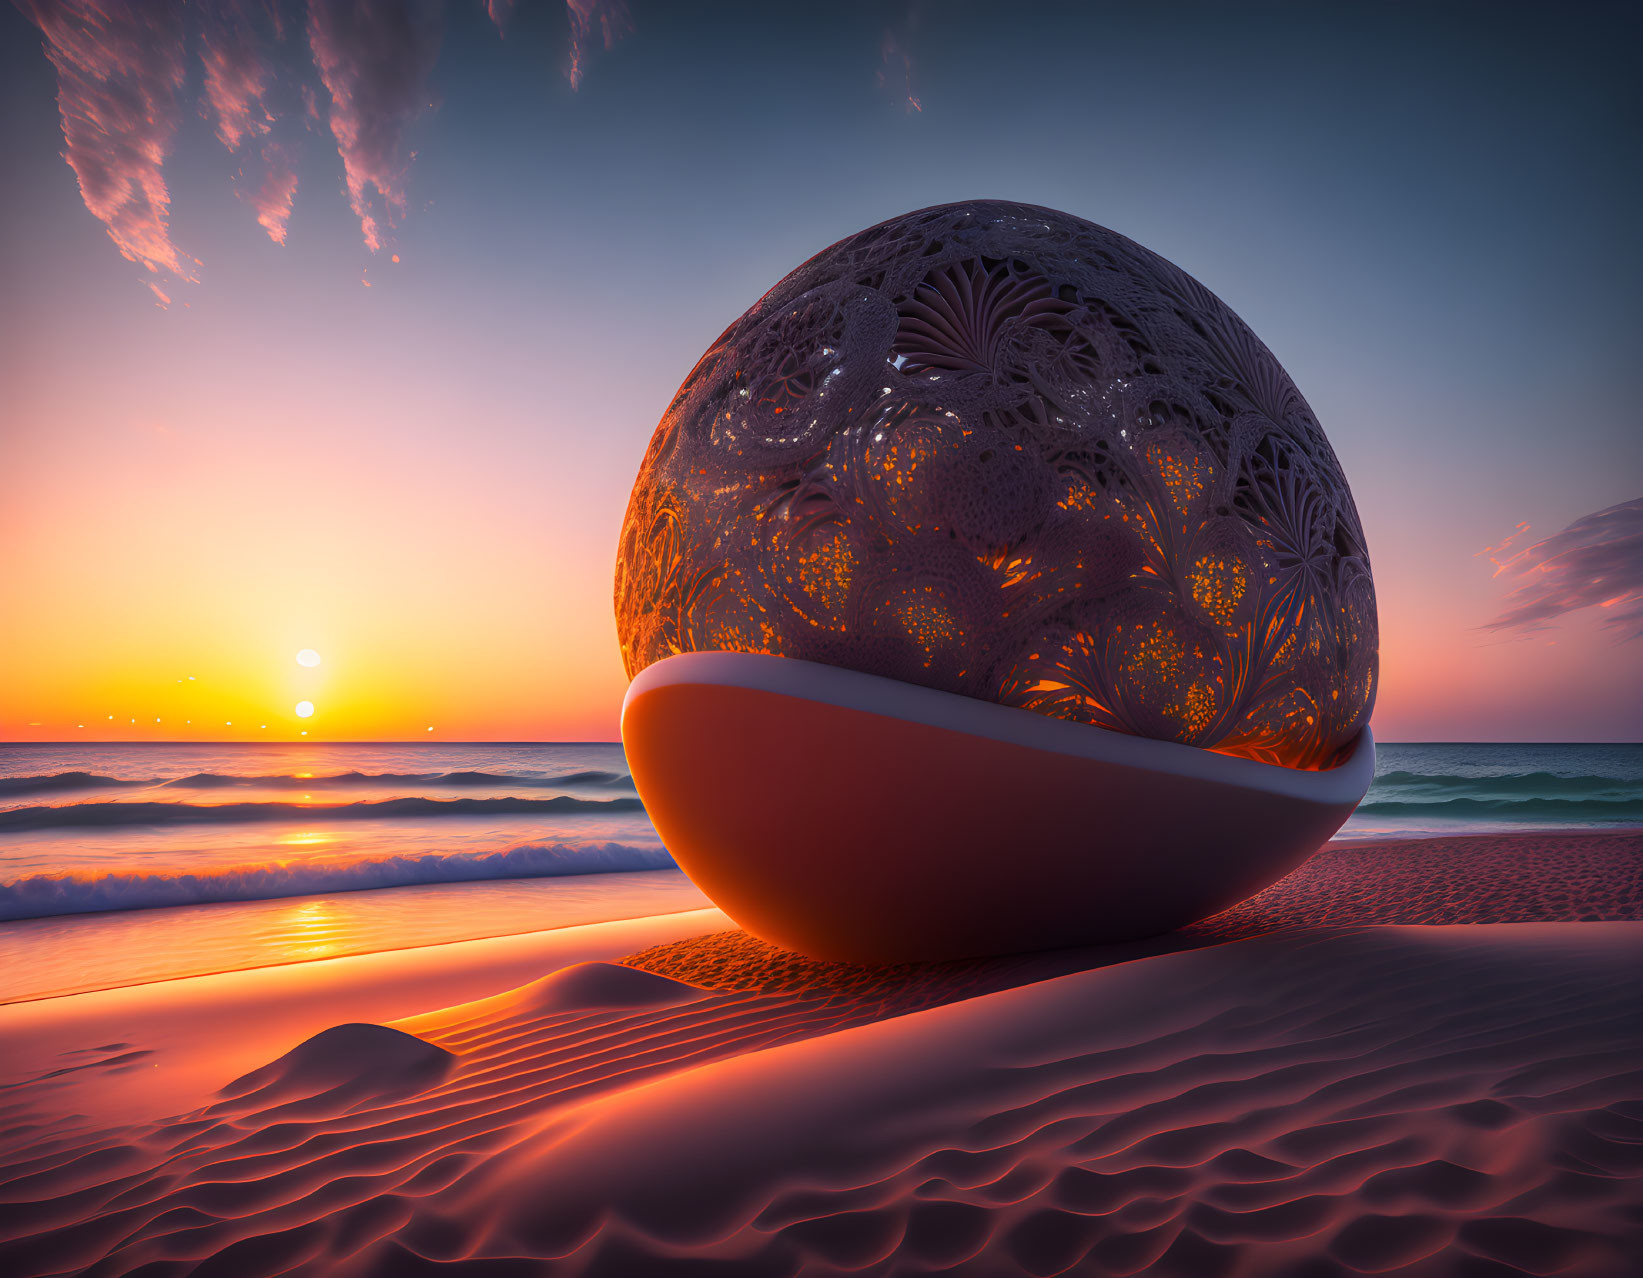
point(163, 574)
point(136, 654)
point(206, 653)
point(252, 695)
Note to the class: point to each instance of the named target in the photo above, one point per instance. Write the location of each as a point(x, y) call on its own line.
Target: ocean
point(122, 864)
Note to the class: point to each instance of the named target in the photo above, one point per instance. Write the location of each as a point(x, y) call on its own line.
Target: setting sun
point(305, 709)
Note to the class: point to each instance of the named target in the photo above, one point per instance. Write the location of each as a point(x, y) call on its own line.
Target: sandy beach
point(1421, 1058)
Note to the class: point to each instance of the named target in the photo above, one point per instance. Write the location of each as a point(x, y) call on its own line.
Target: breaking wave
point(1557, 811)
point(376, 780)
point(46, 895)
point(104, 815)
point(62, 781)
point(1495, 798)
point(1524, 784)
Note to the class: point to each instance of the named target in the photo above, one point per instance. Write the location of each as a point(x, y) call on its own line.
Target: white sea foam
point(43, 895)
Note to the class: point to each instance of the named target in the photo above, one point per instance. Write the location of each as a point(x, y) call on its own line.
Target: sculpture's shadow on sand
point(1353, 885)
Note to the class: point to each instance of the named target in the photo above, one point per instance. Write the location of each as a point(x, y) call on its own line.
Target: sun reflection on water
point(308, 931)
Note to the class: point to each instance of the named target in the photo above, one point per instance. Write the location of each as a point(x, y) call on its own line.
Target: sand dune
point(343, 1064)
point(198, 1033)
point(1275, 1097)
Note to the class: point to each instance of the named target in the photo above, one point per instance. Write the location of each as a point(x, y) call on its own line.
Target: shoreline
point(1398, 844)
point(397, 949)
point(1502, 830)
point(69, 954)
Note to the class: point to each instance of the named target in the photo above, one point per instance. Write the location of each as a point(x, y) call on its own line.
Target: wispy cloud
point(1503, 554)
point(374, 58)
point(895, 74)
point(238, 72)
point(609, 19)
point(236, 53)
point(498, 11)
point(1597, 561)
point(120, 69)
point(275, 194)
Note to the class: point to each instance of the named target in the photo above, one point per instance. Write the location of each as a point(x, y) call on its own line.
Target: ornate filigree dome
point(1004, 452)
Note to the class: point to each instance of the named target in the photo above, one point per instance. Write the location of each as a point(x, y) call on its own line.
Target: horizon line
point(520, 741)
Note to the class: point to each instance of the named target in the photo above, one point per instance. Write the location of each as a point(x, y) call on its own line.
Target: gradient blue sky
point(1428, 212)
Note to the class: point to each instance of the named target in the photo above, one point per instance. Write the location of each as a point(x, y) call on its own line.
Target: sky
point(344, 326)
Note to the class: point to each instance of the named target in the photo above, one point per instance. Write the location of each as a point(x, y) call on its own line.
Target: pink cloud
point(896, 71)
point(374, 58)
point(1497, 555)
point(1597, 561)
point(119, 70)
point(238, 72)
point(274, 195)
point(611, 19)
point(121, 67)
point(240, 81)
point(499, 11)
point(895, 74)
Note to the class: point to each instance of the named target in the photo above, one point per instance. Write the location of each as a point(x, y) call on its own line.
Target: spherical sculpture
point(1003, 453)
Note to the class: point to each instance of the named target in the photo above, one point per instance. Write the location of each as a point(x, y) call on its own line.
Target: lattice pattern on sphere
point(1001, 451)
